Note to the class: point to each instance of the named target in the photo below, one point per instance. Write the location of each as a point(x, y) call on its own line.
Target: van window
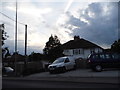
point(66, 60)
point(107, 56)
point(96, 56)
point(59, 60)
point(115, 56)
point(102, 56)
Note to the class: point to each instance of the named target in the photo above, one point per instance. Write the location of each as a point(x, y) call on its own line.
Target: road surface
point(12, 83)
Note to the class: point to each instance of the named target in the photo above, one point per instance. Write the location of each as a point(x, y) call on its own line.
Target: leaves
point(4, 34)
point(52, 49)
point(115, 47)
point(52, 43)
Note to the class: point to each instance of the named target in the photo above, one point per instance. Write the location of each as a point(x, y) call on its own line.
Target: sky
point(96, 21)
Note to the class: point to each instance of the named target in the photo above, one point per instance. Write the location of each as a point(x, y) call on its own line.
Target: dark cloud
point(103, 23)
point(74, 21)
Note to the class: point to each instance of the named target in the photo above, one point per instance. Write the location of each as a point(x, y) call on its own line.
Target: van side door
point(67, 63)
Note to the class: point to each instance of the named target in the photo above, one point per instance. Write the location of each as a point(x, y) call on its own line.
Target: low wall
point(31, 67)
point(81, 63)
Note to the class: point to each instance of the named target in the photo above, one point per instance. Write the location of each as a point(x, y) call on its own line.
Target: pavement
point(79, 75)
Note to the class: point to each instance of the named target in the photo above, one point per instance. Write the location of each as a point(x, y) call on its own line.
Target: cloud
point(102, 23)
point(92, 21)
point(33, 16)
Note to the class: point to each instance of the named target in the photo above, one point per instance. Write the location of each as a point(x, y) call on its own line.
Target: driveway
point(80, 73)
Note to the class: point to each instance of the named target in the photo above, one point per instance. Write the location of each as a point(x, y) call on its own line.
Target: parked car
point(98, 61)
point(62, 64)
point(7, 71)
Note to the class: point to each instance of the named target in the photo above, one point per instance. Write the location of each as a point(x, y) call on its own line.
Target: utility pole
point(118, 20)
point(25, 46)
point(1, 28)
point(16, 42)
point(25, 40)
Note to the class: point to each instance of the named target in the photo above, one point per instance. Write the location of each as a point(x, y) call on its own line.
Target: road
point(12, 83)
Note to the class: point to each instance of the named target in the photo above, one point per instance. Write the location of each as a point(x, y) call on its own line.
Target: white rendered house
point(80, 48)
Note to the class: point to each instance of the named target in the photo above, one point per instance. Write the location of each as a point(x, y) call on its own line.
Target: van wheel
point(98, 68)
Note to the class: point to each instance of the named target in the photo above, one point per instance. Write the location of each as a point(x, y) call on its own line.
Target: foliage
point(4, 34)
point(5, 51)
point(52, 43)
point(35, 56)
point(55, 53)
point(115, 47)
point(52, 49)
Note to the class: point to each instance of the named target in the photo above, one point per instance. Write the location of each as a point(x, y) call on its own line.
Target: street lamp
point(16, 42)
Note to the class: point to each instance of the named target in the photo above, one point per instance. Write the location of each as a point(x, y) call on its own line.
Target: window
point(66, 60)
point(92, 50)
point(102, 56)
point(81, 51)
point(66, 52)
point(115, 56)
point(95, 56)
point(76, 51)
point(107, 56)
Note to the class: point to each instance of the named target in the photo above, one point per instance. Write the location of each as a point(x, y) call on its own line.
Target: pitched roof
point(79, 43)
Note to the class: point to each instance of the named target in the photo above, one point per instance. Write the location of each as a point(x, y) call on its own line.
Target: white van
point(62, 64)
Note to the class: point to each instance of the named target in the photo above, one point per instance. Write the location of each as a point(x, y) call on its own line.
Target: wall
point(85, 53)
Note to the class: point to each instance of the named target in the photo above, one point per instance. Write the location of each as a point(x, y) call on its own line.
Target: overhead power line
point(18, 22)
point(11, 18)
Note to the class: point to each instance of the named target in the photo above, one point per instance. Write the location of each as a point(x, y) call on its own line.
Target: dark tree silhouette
point(4, 34)
point(52, 49)
point(4, 37)
point(35, 56)
point(52, 43)
point(7, 52)
point(115, 47)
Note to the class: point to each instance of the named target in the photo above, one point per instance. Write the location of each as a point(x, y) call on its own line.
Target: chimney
point(76, 38)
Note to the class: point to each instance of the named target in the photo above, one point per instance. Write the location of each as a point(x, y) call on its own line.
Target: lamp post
point(25, 40)
point(16, 42)
point(25, 46)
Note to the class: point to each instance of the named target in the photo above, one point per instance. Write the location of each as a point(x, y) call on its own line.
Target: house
point(80, 48)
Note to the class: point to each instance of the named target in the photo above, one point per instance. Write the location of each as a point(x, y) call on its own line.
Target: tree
point(52, 43)
point(115, 47)
point(6, 52)
point(4, 34)
point(52, 49)
point(35, 56)
point(4, 37)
